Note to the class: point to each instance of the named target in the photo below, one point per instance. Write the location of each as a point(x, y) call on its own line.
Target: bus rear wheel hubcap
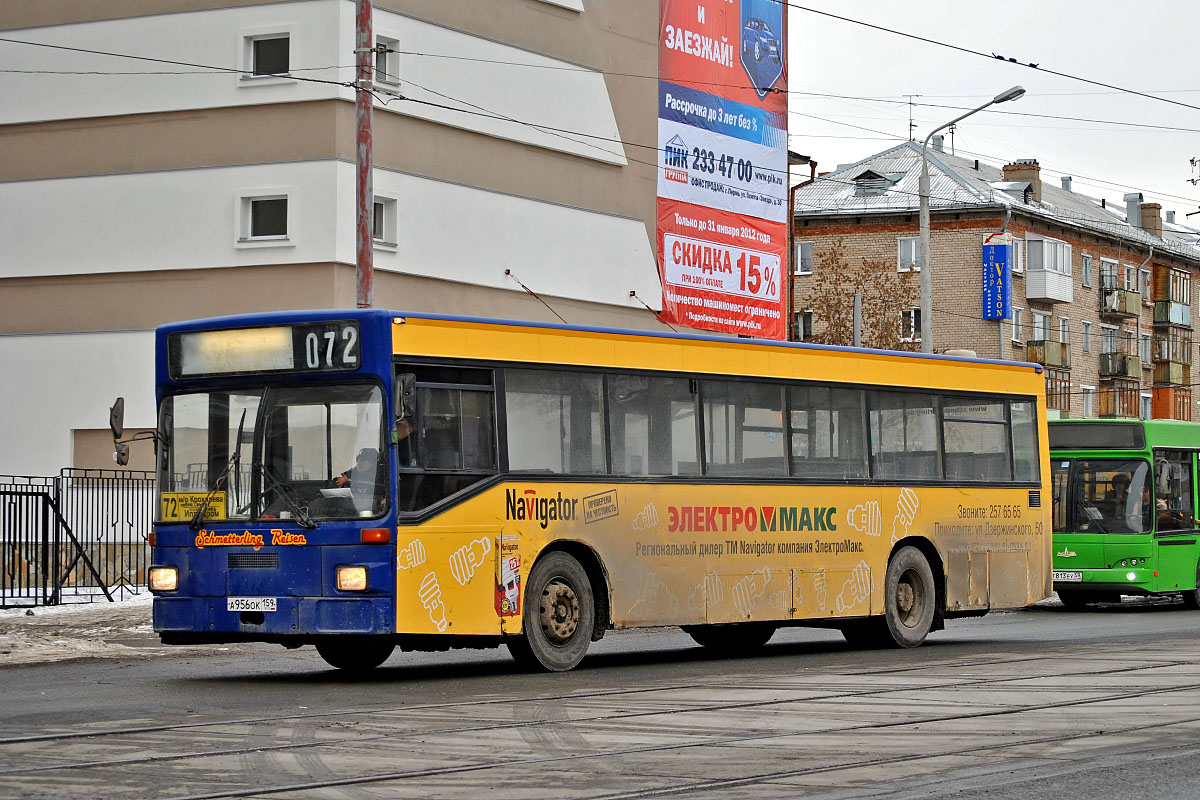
point(560, 612)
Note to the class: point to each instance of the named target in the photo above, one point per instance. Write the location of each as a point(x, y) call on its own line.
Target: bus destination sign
point(306, 347)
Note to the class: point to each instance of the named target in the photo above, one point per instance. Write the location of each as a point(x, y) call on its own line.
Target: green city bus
point(1124, 509)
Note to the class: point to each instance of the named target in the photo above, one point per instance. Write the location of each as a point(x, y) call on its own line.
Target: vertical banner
point(997, 276)
point(722, 165)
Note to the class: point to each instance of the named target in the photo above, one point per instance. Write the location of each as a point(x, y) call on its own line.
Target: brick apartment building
point(1101, 292)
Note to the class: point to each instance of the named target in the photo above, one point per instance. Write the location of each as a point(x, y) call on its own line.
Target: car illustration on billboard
point(762, 43)
point(757, 38)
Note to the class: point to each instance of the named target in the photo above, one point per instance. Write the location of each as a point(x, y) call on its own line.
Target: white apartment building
point(185, 158)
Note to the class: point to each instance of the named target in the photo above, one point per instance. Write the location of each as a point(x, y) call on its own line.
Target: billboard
point(997, 276)
point(722, 165)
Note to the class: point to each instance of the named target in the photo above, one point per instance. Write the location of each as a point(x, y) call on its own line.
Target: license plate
point(1068, 577)
point(250, 604)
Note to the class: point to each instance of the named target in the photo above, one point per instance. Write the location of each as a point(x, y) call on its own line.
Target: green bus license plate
point(250, 604)
point(1068, 577)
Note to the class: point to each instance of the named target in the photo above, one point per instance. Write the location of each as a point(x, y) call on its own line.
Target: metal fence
point(79, 536)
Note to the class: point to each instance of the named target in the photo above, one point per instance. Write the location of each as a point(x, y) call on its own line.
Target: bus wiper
point(282, 491)
point(234, 461)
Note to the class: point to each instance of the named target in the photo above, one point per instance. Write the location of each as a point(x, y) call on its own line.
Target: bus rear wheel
point(909, 598)
point(731, 639)
point(559, 616)
point(355, 653)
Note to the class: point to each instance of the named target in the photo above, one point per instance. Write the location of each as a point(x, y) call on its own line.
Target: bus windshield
point(1102, 496)
point(305, 453)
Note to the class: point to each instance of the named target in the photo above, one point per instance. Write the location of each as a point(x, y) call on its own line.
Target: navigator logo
point(1066, 553)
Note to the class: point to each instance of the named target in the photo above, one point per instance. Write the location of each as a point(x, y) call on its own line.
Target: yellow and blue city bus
point(1124, 509)
point(362, 480)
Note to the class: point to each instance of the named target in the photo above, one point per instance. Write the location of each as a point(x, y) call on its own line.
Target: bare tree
point(887, 295)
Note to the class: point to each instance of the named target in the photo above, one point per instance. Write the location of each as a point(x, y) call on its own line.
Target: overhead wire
point(991, 56)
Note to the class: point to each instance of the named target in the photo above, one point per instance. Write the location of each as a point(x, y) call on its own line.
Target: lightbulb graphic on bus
point(430, 594)
point(906, 510)
point(707, 594)
point(412, 556)
point(855, 590)
point(866, 518)
point(468, 558)
point(819, 587)
point(749, 589)
point(646, 519)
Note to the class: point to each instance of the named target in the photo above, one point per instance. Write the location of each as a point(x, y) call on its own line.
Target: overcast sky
point(1148, 46)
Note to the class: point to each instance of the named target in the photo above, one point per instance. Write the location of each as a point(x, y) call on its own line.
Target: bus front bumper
point(198, 620)
point(1123, 580)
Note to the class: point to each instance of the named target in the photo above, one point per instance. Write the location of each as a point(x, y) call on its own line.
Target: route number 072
point(331, 349)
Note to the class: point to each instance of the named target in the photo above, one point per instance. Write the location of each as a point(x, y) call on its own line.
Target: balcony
point(1172, 373)
point(1120, 303)
point(1171, 402)
point(1168, 313)
point(1048, 352)
point(1120, 397)
point(1047, 286)
point(1120, 365)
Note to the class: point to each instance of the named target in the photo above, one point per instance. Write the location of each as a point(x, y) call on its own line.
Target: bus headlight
point(352, 579)
point(1131, 576)
point(164, 579)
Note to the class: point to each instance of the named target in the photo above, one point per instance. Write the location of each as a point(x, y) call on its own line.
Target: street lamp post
point(923, 245)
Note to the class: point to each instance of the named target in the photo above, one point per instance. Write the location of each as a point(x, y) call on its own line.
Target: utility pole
point(364, 47)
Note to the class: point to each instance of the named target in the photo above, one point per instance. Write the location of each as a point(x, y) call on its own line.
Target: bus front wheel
point(731, 639)
point(909, 598)
point(355, 653)
point(559, 615)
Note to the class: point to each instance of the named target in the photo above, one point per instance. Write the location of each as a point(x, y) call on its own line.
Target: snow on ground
point(78, 630)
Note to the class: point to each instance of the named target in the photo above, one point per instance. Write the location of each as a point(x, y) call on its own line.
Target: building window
point(804, 326)
point(1145, 352)
point(387, 61)
point(1087, 270)
point(1041, 326)
point(1086, 332)
point(910, 325)
point(1089, 400)
point(1129, 278)
point(267, 55)
point(263, 218)
point(1018, 256)
point(1109, 274)
point(383, 221)
point(1108, 338)
point(907, 255)
point(1017, 324)
point(1144, 285)
point(804, 258)
point(1052, 255)
point(1064, 330)
point(1145, 407)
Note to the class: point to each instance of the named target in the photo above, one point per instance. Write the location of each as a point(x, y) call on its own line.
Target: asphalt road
point(1043, 702)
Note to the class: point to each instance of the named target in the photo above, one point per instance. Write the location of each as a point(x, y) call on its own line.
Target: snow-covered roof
point(957, 183)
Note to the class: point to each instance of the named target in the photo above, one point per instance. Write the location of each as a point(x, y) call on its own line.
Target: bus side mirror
point(116, 418)
point(406, 395)
point(121, 456)
point(1163, 470)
